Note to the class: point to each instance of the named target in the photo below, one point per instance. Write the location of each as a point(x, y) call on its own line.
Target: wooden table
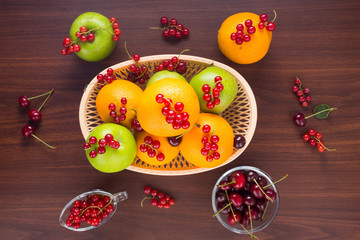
point(315, 40)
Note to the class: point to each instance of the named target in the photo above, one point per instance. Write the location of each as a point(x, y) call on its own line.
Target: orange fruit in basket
point(209, 143)
point(168, 107)
point(247, 52)
point(154, 150)
point(121, 94)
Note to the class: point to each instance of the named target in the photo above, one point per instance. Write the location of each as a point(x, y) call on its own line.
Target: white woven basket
point(241, 114)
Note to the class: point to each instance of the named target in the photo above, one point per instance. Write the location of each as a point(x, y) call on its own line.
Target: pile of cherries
point(159, 199)
point(314, 139)
point(138, 73)
point(98, 146)
point(106, 78)
point(172, 64)
point(302, 93)
point(240, 36)
point(173, 29)
point(119, 115)
point(212, 100)
point(92, 210)
point(34, 115)
point(173, 113)
point(210, 146)
point(151, 147)
point(244, 197)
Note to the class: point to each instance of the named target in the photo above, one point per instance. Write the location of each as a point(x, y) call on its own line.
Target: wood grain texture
point(315, 40)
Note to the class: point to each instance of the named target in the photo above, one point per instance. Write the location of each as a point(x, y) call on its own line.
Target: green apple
point(164, 74)
point(227, 95)
point(113, 160)
point(103, 44)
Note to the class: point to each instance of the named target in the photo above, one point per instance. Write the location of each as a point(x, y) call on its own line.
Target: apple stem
point(276, 181)
point(262, 190)
point(41, 95)
point(49, 94)
point(221, 209)
point(49, 146)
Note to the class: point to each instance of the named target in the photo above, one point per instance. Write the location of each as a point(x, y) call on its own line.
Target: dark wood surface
point(318, 41)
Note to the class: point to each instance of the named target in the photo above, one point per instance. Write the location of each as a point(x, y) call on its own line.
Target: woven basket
point(241, 114)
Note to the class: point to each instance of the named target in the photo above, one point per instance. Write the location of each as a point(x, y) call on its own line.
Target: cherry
point(237, 179)
point(221, 196)
point(234, 218)
point(223, 207)
point(256, 191)
point(29, 131)
point(181, 67)
point(300, 120)
point(239, 141)
point(34, 115)
point(236, 199)
point(174, 141)
point(249, 200)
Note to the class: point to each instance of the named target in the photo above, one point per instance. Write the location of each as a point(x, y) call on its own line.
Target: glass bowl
point(257, 225)
point(114, 199)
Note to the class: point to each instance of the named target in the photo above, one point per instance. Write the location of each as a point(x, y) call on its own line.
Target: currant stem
point(276, 181)
point(318, 141)
point(41, 94)
point(141, 204)
point(43, 141)
point(49, 94)
point(262, 190)
point(274, 16)
point(325, 110)
point(221, 210)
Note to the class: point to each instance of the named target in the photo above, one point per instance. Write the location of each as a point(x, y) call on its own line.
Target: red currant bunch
point(85, 35)
point(151, 147)
point(315, 139)
point(117, 31)
point(210, 146)
point(211, 97)
point(70, 46)
point(244, 31)
point(159, 199)
point(136, 125)
point(174, 113)
point(98, 147)
point(138, 73)
point(118, 115)
point(173, 29)
point(301, 92)
point(172, 64)
point(108, 77)
point(34, 115)
point(91, 211)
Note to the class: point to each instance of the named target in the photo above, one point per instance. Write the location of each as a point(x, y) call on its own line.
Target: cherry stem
point(274, 16)
point(185, 50)
point(325, 110)
point(43, 141)
point(262, 190)
point(127, 52)
point(223, 185)
point(141, 204)
point(221, 209)
point(179, 136)
point(232, 211)
point(49, 94)
point(262, 217)
point(251, 224)
point(252, 235)
point(41, 95)
point(271, 184)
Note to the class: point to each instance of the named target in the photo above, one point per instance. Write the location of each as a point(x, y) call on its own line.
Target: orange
point(113, 93)
point(247, 52)
point(150, 112)
point(192, 142)
point(161, 149)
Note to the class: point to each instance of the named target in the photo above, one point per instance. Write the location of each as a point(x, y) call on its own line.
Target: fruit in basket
point(164, 74)
point(110, 147)
point(154, 150)
point(117, 102)
point(92, 37)
point(245, 37)
point(209, 143)
point(168, 107)
point(215, 88)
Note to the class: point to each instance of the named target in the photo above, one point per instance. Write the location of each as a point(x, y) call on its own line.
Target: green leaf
point(322, 111)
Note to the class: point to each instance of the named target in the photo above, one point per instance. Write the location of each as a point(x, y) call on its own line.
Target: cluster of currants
point(34, 115)
point(98, 147)
point(92, 210)
point(151, 147)
point(115, 26)
point(173, 64)
point(173, 112)
point(69, 47)
point(210, 146)
point(314, 139)
point(106, 78)
point(173, 29)
point(302, 93)
point(159, 199)
point(212, 100)
point(138, 73)
point(122, 111)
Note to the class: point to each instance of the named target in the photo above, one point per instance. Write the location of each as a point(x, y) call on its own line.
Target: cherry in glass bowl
point(264, 210)
point(76, 209)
